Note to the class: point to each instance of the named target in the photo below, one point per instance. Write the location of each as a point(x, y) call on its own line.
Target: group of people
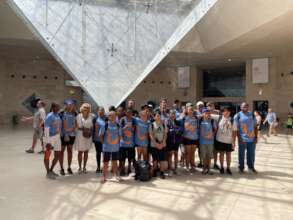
point(124, 136)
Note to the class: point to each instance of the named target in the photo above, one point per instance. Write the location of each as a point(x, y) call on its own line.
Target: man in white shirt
point(38, 120)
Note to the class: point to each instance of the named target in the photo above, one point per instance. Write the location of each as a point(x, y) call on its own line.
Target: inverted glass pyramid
point(110, 46)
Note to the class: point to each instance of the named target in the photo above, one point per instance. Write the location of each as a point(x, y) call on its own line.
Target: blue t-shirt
point(53, 122)
point(127, 132)
point(69, 119)
point(244, 124)
point(100, 122)
point(271, 117)
point(190, 128)
point(207, 129)
point(110, 136)
point(141, 132)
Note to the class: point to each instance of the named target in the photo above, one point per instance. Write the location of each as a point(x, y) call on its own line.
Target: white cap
point(199, 103)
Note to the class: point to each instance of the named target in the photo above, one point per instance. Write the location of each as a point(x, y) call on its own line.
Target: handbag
point(86, 132)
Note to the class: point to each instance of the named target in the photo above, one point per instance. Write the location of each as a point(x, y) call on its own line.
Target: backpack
point(142, 170)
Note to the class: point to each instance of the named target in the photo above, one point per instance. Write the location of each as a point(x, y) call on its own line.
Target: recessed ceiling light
point(229, 60)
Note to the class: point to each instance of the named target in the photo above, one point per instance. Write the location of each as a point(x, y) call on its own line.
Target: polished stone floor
point(25, 194)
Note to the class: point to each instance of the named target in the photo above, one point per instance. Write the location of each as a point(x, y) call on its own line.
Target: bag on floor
point(142, 171)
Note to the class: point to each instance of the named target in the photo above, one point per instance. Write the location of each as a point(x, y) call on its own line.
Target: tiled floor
point(25, 194)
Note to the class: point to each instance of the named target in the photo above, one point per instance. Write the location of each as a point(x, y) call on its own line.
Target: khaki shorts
point(206, 151)
point(38, 133)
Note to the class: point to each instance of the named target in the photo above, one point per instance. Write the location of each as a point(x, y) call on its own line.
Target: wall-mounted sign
point(183, 77)
point(260, 71)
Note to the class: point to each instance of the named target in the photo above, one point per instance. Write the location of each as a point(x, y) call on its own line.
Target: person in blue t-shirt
point(245, 129)
point(52, 140)
point(190, 137)
point(207, 130)
point(127, 149)
point(110, 138)
point(67, 133)
point(142, 135)
point(98, 122)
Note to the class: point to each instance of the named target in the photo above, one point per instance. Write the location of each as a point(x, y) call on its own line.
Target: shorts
point(127, 152)
point(55, 141)
point(110, 156)
point(223, 147)
point(187, 141)
point(173, 147)
point(66, 143)
point(289, 126)
point(206, 151)
point(38, 133)
point(159, 155)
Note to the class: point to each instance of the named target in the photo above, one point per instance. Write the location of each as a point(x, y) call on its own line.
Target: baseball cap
point(205, 110)
point(199, 103)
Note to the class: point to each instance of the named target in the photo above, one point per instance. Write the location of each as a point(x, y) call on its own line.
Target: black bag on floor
point(142, 170)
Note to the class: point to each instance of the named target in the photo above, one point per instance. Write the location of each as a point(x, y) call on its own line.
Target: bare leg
point(61, 159)
point(105, 172)
point(222, 159)
point(228, 159)
point(86, 153)
point(69, 155)
point(79, 157)
point(47, 159)
point(55, 160)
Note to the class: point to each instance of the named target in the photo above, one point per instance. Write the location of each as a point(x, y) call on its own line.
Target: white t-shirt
point(39, 116)
point(224, 133)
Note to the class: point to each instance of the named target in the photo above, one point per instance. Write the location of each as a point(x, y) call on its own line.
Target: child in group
point(174, 139)
point(67, 133)
point(127, 141)
point(158, 134)
point(142, 135)
point(52, 140)
point(98, 122)
point(190, 137)
point(223, 143)
point(110, 138)
point(207, 128)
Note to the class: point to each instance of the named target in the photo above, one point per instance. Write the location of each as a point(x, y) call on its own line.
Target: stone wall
point(20, 78)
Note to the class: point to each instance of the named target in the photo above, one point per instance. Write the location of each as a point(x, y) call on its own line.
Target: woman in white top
point(224, 141)
point(83, 141)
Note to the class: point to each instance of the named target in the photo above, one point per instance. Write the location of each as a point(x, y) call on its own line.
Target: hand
point(233, 146)
point(255, 140)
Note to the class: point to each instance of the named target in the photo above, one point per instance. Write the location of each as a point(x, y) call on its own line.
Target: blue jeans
point(250, 155)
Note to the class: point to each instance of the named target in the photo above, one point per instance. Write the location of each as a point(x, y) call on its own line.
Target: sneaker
point(79, 171)
point(30, 151)
point(41, 152)
point(51, 176)
point(84, 171)
point(53, 173)
point(122, 173)
point(204, 172)
point(210, 172)
point(252, 171)
point(229, 171)
point(175, 172)
point(128, 171)
point(69, 171)
point(62, 172)
point(222, 171)
point(162, 175)
point(216, 167)
point(200, 165)
point(98, 170)
point(241, 171)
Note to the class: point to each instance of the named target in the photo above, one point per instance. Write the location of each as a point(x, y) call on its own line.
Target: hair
point(53, 105)
point(163, 99)
point(210, 104)
point(85, 105)
point(229, 109)
point(176, 101)
point(112, 108)
point(158, 112)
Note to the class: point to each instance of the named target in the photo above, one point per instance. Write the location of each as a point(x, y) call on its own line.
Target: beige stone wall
point(162, 82)
point(279, 90)
point(13, 91)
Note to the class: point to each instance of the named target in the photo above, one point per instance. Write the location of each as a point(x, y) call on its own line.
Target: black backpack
point(142, 170)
